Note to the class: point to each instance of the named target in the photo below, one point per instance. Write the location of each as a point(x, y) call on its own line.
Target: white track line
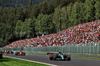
point(33, 61)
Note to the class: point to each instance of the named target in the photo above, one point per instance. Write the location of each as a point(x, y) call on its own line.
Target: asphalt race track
point(73, 62)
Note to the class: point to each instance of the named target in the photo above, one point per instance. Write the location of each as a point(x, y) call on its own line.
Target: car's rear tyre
point(69, 58)
point(16, 53)
point(0, 56)
point(65, 56)
point(54, 57)
point(23, 53)
point(51, 57)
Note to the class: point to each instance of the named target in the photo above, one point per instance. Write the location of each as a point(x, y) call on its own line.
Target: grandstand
point(79, 34)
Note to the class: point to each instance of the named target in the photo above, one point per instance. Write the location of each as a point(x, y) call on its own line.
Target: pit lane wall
point(83, 50)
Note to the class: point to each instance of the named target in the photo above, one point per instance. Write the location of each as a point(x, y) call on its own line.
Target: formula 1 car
point(20, 53)
point(10, 52)
point(4, 51)
point(59, 56)
point(0, 54)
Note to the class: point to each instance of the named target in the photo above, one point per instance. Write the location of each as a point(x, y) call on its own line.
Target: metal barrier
point(79, 50)
point(92, 48)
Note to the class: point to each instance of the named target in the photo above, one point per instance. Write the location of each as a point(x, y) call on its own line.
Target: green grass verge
point(87, 58)
point(16, 62)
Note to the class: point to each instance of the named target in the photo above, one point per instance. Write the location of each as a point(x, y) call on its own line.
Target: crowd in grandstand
point(82, 33)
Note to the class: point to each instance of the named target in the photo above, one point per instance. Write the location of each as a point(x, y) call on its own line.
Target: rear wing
point(49, 53)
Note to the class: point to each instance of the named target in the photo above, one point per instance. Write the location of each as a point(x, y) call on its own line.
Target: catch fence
point(91, 48)
point(73, 49)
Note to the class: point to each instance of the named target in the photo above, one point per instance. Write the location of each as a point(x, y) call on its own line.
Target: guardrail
point(92, 48)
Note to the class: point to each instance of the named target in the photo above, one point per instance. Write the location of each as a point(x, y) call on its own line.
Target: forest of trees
point(18, 3)
point(45, 18)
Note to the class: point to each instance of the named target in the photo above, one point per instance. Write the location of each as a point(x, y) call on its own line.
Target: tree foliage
point(28, 20)
point(97, 11)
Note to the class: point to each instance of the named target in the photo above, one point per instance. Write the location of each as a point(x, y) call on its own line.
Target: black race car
point(0, 54)
point(59, 56)
point(20, 53)
point(10, 52)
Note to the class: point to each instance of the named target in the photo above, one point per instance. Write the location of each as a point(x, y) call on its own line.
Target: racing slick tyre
point(65, 56)
point(16, 53)
point(11, 52)
point(23, 53)
point(68, 58)
point(0, 56)
point(51, 57)
point(54, 57)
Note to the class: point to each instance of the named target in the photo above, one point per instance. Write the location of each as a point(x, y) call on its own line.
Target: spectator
point(82, 33)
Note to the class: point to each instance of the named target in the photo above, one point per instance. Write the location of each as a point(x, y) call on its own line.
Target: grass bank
point(16, 62)
point(87, 58)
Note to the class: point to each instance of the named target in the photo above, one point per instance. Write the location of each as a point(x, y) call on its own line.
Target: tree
point(18, 28)
point(44, 7)
point(57, 18)
point(97, 11)
point(75, 15)
point(64, 18)
point(89, 10)
point(69, 10)
point(43, 24)
point(50, 25)
point(55, 3)
point(6, 31)
point(24, 29)
point(27, 27)
point(19, 14)
point(82, 13)
point(35, 11)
